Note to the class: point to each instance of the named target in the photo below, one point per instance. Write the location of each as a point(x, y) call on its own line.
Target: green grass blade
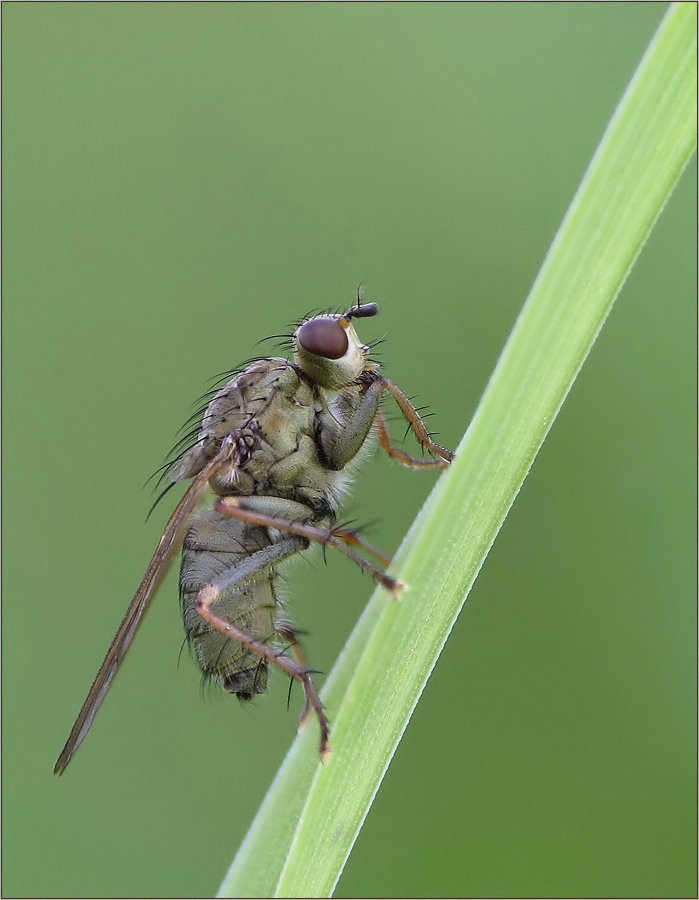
point(305, 830)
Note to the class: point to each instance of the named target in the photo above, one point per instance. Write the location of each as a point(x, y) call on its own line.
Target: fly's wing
point(169, 544)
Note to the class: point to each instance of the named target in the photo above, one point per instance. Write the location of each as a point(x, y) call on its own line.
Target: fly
point(275, 450)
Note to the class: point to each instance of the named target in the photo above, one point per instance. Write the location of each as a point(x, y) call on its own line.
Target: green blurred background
point(182, 180)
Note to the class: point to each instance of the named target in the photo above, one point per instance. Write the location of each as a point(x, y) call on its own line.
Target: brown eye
point(323, 337)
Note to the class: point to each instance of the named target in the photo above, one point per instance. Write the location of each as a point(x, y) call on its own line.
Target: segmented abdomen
point(215, 544)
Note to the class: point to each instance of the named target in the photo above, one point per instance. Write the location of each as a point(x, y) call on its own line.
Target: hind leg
point(251, 567)
point(290, 635)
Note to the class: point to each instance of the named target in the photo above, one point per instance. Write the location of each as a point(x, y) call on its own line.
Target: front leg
point(417, 426)
point(340, 442)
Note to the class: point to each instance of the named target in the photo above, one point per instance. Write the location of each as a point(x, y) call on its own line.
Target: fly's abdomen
point(215, 545)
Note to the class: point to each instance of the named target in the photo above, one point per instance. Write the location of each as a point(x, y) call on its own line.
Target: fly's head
point(328, 349)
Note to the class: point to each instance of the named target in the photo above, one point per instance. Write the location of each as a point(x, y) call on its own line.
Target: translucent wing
point(168, 546)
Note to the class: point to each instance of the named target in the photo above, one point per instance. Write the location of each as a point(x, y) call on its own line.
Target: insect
point(272, 458)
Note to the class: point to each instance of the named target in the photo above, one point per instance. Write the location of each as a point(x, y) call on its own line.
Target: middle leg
point(288, 518)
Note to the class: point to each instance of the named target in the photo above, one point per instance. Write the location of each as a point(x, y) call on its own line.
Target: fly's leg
point(385, 442)
point(418, 428)
point(280, 508)
point(251, 567)
point(356, 540)
point(340, 442)
point(288, 633)
point(246, 508)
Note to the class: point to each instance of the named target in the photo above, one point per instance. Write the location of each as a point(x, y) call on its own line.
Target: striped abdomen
point(213, 545)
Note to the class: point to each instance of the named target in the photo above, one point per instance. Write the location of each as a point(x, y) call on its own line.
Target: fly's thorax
point(278, 454)
point(291, 428)
point(246, 398)
point(329, 352)
point(239, 404)
point(289, 416)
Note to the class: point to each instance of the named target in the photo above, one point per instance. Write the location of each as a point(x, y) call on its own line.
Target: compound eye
point(323, 337)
